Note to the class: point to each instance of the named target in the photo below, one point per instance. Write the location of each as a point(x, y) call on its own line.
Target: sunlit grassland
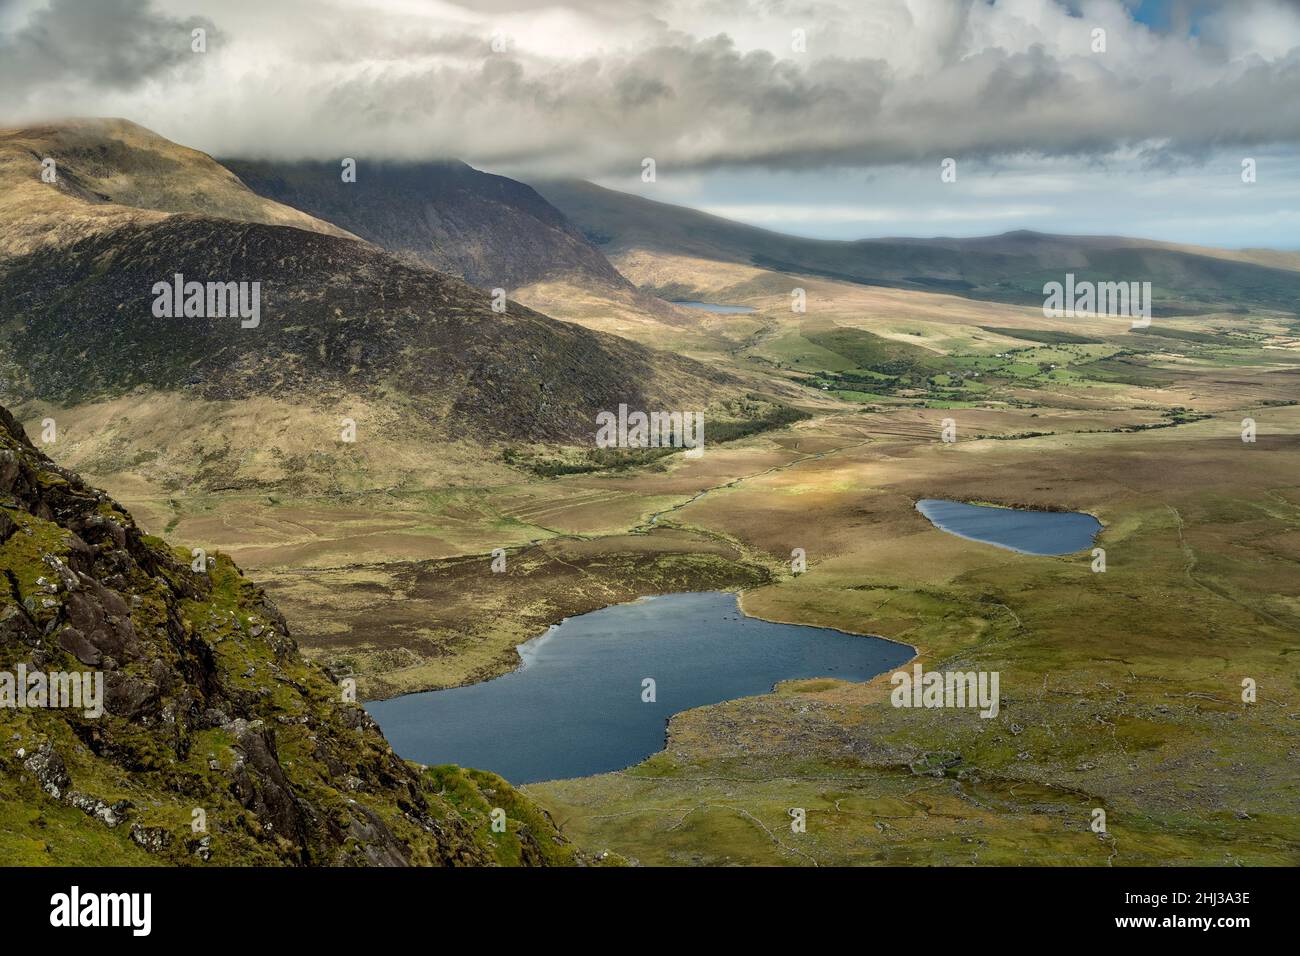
point(1122, 690)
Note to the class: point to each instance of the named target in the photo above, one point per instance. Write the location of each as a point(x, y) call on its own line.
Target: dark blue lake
point(1033, 532)
point(575, 706)
point(713, 306)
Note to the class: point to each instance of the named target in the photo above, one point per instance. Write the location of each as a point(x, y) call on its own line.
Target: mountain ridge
point(493, 231)
point(1011, 267)
point(340, 315)
point(110, 171)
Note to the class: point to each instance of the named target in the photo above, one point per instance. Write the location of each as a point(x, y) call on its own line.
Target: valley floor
point(1122, 690)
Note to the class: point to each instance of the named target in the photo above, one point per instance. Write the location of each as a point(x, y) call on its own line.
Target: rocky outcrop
point(216, 742)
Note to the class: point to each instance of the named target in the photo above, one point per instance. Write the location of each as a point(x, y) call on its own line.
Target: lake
point(714, 307)
point(1017, 529)
point(575, 707)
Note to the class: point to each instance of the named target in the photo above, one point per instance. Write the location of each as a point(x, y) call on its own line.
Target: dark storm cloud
point(107, 44)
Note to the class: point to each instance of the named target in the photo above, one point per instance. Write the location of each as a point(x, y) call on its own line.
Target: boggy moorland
point(1121, 690)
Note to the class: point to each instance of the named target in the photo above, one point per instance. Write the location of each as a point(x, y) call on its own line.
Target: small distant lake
point(1033, 532)
point(713, 307)
point(575, 708)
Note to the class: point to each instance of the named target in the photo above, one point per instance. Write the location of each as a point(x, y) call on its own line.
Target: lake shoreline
point(1019, 530)
point(603, 699)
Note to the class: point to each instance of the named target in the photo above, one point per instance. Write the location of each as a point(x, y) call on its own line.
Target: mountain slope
point(217, 741)
point(1008, 268)
point(109, 172)
point(490, 230)
point(339, 317)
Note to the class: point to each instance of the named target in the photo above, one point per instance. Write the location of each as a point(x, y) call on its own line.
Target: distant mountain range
point(1012, 267)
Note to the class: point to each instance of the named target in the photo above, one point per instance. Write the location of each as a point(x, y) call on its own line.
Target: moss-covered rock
point(218, 743)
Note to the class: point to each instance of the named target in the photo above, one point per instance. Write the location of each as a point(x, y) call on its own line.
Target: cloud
point(1203, 203)
point(69, 48)
point(697, 84)
point(776, 215)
